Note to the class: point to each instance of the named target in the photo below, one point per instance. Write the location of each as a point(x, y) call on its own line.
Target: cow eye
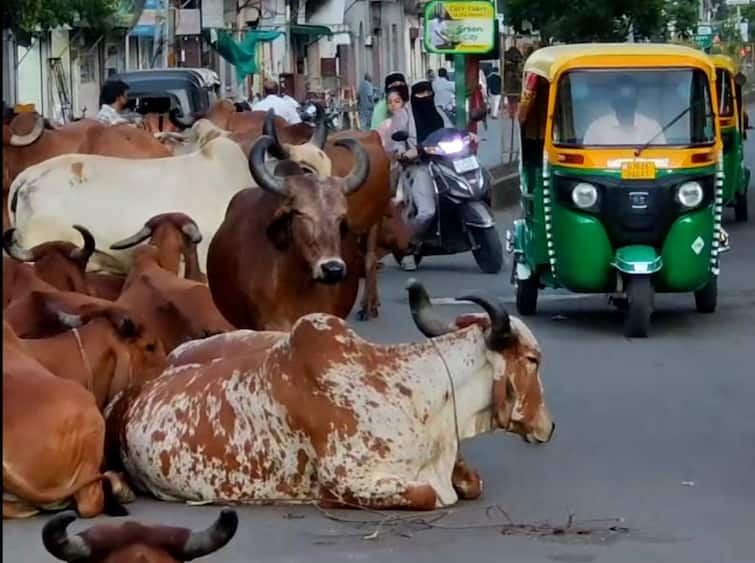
point(344, 227)
point(534, 360)
point(150, 347)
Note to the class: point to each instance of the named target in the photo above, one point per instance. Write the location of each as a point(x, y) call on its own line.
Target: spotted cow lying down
point(320, 414)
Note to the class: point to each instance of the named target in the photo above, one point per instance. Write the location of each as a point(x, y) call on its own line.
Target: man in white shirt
point(445, 91)
point(438, 37)
point(624, 126)
point(114, 98)
point(280, 106)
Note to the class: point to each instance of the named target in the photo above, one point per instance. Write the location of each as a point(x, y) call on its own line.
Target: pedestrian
point(366, 101)
point(113, 100)
point(445, 91)
point(381, 111)
point(272, 100)
point(430, 75)
point(494, 92)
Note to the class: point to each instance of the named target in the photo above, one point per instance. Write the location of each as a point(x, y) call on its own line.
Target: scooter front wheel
point(489, 251)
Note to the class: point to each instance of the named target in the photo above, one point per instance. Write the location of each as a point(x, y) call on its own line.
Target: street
point(653, 458)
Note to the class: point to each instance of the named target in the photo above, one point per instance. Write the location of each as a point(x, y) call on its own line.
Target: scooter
point(463, 220)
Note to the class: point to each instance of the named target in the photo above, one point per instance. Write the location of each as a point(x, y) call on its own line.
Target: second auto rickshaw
point(622, 177)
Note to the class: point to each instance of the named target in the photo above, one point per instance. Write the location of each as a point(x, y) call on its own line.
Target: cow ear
point(279, 230)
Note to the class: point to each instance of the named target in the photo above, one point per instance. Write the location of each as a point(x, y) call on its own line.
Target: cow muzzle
point(330, 271)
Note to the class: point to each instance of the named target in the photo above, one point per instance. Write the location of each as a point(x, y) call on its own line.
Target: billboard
point(459, 27)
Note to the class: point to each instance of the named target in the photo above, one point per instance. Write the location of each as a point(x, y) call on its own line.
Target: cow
point(27, 142)
point(59, 264)
point(278, 253)
point(319, 414)
point(53, 441)
point(111, 195)
point(104, 347)
point(133, 542)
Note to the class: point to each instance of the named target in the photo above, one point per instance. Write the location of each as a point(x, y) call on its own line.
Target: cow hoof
point(369, 313)
point(121, 491)
point(466, 482)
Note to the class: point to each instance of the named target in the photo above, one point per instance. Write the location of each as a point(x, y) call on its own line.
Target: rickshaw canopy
point(549, 62)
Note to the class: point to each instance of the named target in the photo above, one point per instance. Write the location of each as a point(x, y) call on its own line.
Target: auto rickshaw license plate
point(638, 170)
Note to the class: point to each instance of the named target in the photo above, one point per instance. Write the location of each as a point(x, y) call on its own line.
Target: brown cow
point(175, 309)
point(107, 349)
point(53, 441)
point(59, 263)
point(26, 142)
point(320, 414)
point(278, 253)
point(133, 542)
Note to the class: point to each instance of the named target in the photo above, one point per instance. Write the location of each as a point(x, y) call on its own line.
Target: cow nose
point(332, 271)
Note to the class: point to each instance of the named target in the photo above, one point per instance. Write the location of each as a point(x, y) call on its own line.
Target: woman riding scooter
point(424, 120)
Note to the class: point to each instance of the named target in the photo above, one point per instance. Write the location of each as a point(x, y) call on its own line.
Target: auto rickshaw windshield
point(633, 107)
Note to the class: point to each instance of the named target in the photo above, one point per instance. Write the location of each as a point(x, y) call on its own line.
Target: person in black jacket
point(494, 92)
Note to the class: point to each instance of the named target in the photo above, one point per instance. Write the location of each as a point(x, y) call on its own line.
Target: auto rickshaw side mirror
point(400, 136)
point(740, 79)
point(477, 115)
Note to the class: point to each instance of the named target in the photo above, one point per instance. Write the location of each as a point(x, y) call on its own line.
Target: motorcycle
point(463, 219)
point(312, 112)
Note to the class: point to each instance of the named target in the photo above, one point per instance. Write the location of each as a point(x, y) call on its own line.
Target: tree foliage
point(42, 15)
point(571, 21)
point(684, 14)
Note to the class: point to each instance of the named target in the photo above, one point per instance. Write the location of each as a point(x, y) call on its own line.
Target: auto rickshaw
point(622, 177)
point(731, 117)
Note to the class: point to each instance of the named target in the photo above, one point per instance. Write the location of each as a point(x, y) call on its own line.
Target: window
point(87, 68)
point(725, 94)
point(630, 107)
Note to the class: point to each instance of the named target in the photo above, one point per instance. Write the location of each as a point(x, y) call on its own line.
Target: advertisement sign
point(458, 27)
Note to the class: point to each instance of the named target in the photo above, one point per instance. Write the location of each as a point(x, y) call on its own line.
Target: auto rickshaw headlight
point(690, 194)
point(584, 195)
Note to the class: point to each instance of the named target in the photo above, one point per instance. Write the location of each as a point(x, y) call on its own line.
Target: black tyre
point(740, 208)
point(706, 299)
point(526, 295)
point(640, 293)
point(489, 251)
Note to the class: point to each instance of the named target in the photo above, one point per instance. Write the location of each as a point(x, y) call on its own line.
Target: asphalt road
point(655, 438)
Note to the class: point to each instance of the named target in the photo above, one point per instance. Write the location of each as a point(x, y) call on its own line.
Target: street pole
point(461, 91)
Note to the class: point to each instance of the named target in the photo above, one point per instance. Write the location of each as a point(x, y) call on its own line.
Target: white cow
point(319, 414)
point(114, 197)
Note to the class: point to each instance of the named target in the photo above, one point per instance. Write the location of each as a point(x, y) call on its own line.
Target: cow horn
point(178, 123)
point(320, 136)
point(191, 230)
point(14, 250)
point(361, 168)
point(83, 254)
point(422, 313)
point(31, 136)
point(259, 171)
point(271, 130)
point(133, 240)
point(500, 324)
point(57, 541)
point(213, 538)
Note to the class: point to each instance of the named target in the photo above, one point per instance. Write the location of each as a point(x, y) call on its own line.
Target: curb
point(504, 185)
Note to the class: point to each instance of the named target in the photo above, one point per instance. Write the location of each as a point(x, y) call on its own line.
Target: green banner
point(458, 27)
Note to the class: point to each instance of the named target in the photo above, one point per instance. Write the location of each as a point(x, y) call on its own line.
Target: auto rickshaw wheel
point(706, 298)
point(526, 295)
point(640, 293)
point(740, 207)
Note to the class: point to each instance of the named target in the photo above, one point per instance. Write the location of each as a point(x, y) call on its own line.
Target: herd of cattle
point(125, 367)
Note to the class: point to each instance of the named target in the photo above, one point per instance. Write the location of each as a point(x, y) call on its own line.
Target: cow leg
point(370, 308)
point(386, 494)
point(466, 481)
point(121, 491)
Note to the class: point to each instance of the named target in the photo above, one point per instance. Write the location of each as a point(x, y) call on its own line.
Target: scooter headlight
point(584, 195)
point(690, 194)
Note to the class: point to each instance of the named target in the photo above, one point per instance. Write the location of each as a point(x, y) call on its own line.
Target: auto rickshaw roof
point(548, 61)
point(725, 62)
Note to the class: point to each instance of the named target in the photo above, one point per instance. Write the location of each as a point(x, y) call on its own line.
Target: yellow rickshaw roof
point(548, 61)
point(725, 62)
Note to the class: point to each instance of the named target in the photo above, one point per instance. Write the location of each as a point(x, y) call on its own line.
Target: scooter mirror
point(400, 136)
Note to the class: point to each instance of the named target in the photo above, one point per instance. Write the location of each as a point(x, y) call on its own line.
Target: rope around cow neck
point(453, 394)
point(85, 359)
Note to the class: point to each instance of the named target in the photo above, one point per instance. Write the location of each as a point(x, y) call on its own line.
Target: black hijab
point(397, 82)
point(426, 117)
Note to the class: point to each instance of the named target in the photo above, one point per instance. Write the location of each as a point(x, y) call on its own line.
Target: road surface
point(655, 439)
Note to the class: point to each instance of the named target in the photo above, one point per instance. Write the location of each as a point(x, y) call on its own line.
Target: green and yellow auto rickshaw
point(731, 117)
point(622, 177)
